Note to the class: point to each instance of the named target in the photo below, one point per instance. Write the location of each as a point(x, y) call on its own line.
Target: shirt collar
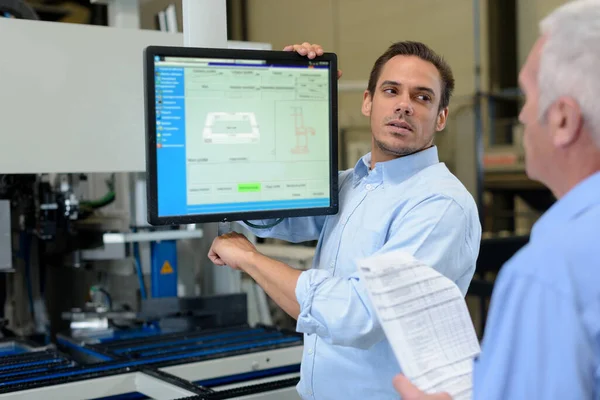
point(584, 195)
point(398, 169)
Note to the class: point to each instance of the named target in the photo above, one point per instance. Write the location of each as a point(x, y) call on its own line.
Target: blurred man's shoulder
point(565, 256)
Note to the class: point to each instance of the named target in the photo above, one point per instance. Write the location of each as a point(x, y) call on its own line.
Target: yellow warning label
point(166, 269)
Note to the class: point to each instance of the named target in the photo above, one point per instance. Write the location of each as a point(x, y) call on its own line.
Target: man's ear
point(441, 119)
point(367, 104)
point(566, 121)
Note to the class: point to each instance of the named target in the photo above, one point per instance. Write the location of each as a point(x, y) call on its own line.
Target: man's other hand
point(408, 391)
point(309, 50)
point(232, 249)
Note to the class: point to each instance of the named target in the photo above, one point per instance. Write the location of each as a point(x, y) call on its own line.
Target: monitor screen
point(239, 135)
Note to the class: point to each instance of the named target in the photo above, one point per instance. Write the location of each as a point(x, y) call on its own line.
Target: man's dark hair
point(422, 51)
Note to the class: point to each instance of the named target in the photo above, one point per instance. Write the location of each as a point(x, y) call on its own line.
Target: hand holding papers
point(426, 321)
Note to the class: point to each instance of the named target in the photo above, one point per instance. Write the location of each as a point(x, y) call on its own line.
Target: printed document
point(425, 318)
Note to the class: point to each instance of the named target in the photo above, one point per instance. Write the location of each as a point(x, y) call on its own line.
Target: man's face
point(536, 140)
point(404, 110)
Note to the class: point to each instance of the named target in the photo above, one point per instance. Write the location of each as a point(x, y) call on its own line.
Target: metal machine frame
point(105, 386)
point(37, 373)
point(154, 386)
point(158, 386)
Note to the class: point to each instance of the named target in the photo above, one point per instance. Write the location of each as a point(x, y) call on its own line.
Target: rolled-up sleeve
point(338, 309)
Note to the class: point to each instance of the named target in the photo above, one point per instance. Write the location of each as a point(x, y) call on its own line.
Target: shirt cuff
point(306, 288)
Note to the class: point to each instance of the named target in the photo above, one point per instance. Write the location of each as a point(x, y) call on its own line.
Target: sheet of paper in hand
point(426, 320)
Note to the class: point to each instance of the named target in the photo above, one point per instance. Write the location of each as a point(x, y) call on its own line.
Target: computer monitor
point(239, 135)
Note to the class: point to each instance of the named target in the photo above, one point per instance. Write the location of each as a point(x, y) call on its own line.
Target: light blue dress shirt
point(542, 337)
point(411, 203)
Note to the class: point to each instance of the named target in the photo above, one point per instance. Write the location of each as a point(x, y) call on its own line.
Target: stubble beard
point(398, 152)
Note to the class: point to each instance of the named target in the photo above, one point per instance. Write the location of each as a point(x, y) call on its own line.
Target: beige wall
point(360, 30)
point(530, 13)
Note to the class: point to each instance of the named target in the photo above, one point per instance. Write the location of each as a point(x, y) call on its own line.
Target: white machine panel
point(72, 96)
point(136, 382)
point(236, 364)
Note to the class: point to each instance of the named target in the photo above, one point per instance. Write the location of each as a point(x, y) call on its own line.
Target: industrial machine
point(96, 302)
point(32, 373)
point(205, 348)
point(172, 348)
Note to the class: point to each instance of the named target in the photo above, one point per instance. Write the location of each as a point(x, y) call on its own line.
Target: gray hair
point(570, 60)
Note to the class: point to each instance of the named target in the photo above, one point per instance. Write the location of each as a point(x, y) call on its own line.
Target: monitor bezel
point(151, 143)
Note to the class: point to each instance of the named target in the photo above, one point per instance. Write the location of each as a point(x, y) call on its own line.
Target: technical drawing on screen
point(244, 134)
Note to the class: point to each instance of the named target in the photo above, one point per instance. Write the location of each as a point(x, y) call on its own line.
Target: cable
point(104, 200)
point(25, 248)
point(138, 268)
point(105, 293)
point(266, 226)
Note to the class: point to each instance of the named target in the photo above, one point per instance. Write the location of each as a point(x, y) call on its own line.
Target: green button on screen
point(249, 187)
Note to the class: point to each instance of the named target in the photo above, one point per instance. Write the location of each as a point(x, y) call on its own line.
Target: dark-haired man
point(399, 196)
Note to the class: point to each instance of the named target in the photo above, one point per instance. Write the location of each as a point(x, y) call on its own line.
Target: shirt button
point(369, 186)
point(310, 351)
point(332, 265)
